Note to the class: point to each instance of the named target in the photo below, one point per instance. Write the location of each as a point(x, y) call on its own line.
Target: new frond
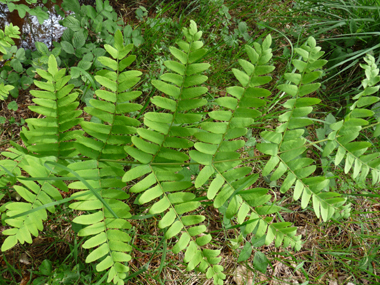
point(51, 135)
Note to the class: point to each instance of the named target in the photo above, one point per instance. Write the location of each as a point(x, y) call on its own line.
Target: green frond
point(163, 142)
point(344, 134)
point(286, 145)
point(217, 149)
point(107, 140)
point(106, 218)
point(51, 135)
point(4, 91)
point(35, 193)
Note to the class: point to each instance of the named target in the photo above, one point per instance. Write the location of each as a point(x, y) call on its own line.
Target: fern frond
point(162, 143)
point(100, 182)
point(218, 146)
point(286, 145)
point(108, 140)
point(344, 134)
point(217, 139)
point(35, 193)
point(9, 168)
point(4, 90)
point(51, 136)
point(103, 191)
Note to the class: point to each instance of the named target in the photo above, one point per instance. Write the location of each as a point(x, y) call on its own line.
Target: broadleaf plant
point(6, 42)
point(114, 156)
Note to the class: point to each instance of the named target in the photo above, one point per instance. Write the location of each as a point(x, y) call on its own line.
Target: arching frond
point(287, 144)
point(36, 192)
point(344, 135)
point(160, 151)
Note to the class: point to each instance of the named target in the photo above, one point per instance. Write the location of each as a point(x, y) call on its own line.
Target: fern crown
point(105, 164)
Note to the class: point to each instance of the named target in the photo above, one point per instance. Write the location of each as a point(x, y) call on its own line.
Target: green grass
point(346, 30)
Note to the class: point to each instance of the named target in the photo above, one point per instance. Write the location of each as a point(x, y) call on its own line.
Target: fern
point(107, 221)
point(62, 152)
point(47, 137)
point(51, 136)
point(162, 142)
point(344, 133)
point(286, 145)
point(231, 186)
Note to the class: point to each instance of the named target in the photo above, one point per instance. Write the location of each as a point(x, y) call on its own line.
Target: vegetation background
point(334, 252)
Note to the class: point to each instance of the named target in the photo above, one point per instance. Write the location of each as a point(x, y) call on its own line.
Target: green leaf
point(268, 148)
point(260, 262)
point(79, 39)
point(196, 68)
point(12, 106)
point(330, 146)
point(95, 241)
point(168, 219)
point(308, 88)
point(339, 155)
point(215, 185)
point(300, 65)
point(53, 69)
point(298, 190)
point(288, 182)
point(271, 164)
point(289, 89)
point(245, 252)
point(98, 253)
point(187, 207)
point(150, 194)
point(105, 264)
point(241, 76)
point(174, 230)
point(180, 55)
point(71, 5)
point(108, 62)
point(89, 219)
point(377, 131)
point(204, 175)
point(106, 82)
point(365, 101)
point(201, 158)
point(112, 51)
point(46, 267)
point(164, 103)
point(8, 243)
point(67, 47)
point(168, 89)
point(160, 206)
point(192, 220)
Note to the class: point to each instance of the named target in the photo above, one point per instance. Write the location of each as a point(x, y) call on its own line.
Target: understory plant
point(102, 166)
point(6, 41)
